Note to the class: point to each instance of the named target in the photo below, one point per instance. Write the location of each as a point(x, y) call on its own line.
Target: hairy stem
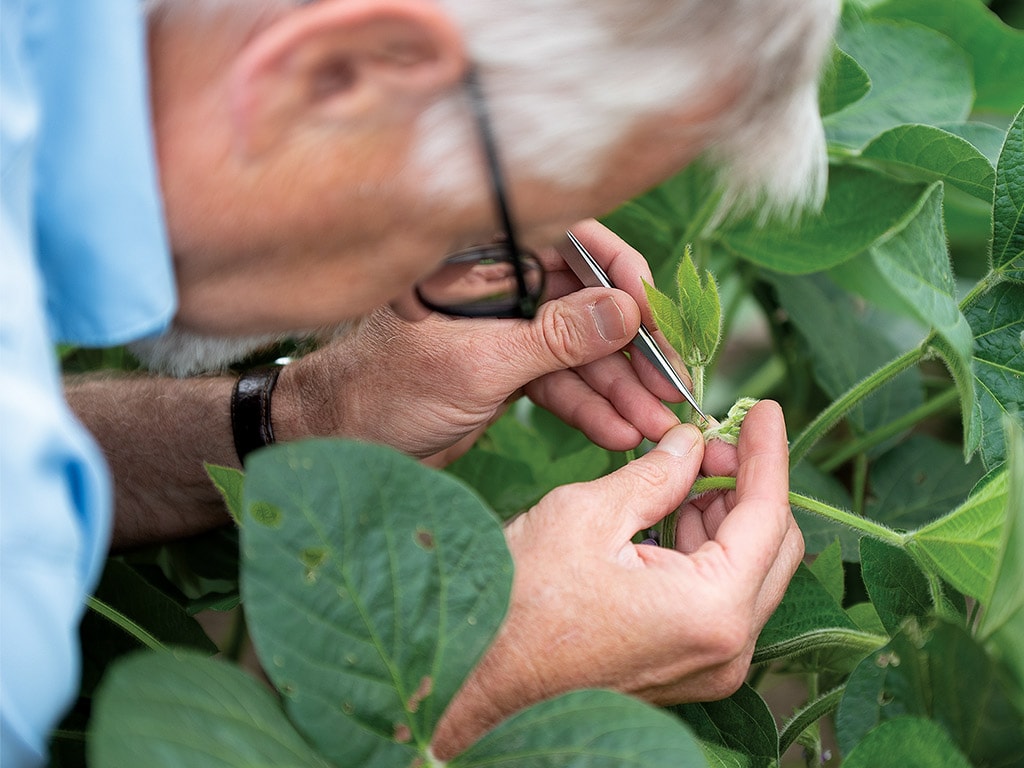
point(811, 713)
point(862, 524)
point(891, 429)
point(828, 418)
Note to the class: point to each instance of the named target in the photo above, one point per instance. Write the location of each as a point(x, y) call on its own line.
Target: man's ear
point(341, 61)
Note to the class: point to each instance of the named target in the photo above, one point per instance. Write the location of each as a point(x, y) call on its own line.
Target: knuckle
point(651, 473)
point(561, 336)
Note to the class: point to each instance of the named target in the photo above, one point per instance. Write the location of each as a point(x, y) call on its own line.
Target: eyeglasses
point(495, 280)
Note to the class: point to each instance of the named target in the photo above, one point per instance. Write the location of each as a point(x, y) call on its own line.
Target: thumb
point(641, 493)
point(573, 330)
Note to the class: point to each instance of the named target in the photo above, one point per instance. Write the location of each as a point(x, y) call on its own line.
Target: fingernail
point(608, 319)
point(681, 440)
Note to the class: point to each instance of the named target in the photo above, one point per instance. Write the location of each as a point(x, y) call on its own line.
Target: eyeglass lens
point(482, 282)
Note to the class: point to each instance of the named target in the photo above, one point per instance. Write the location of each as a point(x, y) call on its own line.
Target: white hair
point(567, 79)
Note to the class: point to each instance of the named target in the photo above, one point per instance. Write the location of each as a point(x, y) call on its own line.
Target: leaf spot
point(471, 621)
point(890, 659)
point(425, 539)
point(278, 661)
point(347, 708)
point(402, 733)
point(266, 514)
point(350, 658)
point(313, 557)
point(884, 698)
point(426, 686)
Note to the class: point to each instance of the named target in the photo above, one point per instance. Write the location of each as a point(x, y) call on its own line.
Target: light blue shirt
point(85, 260)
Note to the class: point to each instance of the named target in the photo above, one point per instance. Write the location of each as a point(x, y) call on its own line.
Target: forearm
point(157, 434)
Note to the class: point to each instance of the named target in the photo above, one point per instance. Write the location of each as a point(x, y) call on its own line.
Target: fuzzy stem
point(828, 418)
point(816, 709)
point(868, 527)
point(891, 429)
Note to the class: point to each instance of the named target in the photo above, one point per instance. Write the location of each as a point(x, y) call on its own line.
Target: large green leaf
point(935, 670)
point(918, 481)
point(996, 51)
point(862, 207)
point(928, 153)
point(962, 546)
point(163, 710)
point(997, 320)
point(894, 582)
point(586, 729)
point(809, 619)
point(843, 82)
point(906, 741)
point(917, 76)
point(372, 586)
point(742, 723)
point(1008, 208)
point(1002, 624)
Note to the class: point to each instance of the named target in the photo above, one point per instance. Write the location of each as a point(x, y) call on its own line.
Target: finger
point(774, 587)
point(576, 403)
point(568, 332)
point(753, 532)
point(625, 265)
point(614, 378)
point(645, 490)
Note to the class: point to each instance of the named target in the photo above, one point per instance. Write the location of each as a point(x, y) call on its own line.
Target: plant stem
point(891, 429)
point(828, 418)
point(116, 617)
point(812, 733)
point(697, 373)
point(813, 711)
point(868, 527)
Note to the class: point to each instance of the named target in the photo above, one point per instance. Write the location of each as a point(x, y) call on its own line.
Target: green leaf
point(163, 710)
point(723, 757)
point(810, 619)
point(906, 741)
point(823, 313)
point(843, 82)
point(667, 318)
point(997, 320)
point(935, 670)
point(514, 464)
point(372, 586)
point(1002, 623)
point(700, 311)
point(896, 585)
point(962, 546)
point(145, 609)
point(915, 263)
point(586, 729)
point(996, 51)
point(229, 483)
point(986, 138)
point(917, 76)
point(926, 153)
point(862, 207)
point(917, 481)
point(742, 723)
point(1008, 208)
point(828, 569)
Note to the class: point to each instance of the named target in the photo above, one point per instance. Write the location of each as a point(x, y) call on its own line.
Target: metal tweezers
point(592, 275)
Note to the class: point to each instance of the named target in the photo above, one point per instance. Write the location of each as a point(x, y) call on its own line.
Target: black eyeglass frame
point(527, 299)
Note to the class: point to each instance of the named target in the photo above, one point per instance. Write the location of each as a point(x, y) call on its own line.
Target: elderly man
point(314, 164)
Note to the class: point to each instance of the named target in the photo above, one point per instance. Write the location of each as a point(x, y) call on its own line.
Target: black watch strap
point(250, 410)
